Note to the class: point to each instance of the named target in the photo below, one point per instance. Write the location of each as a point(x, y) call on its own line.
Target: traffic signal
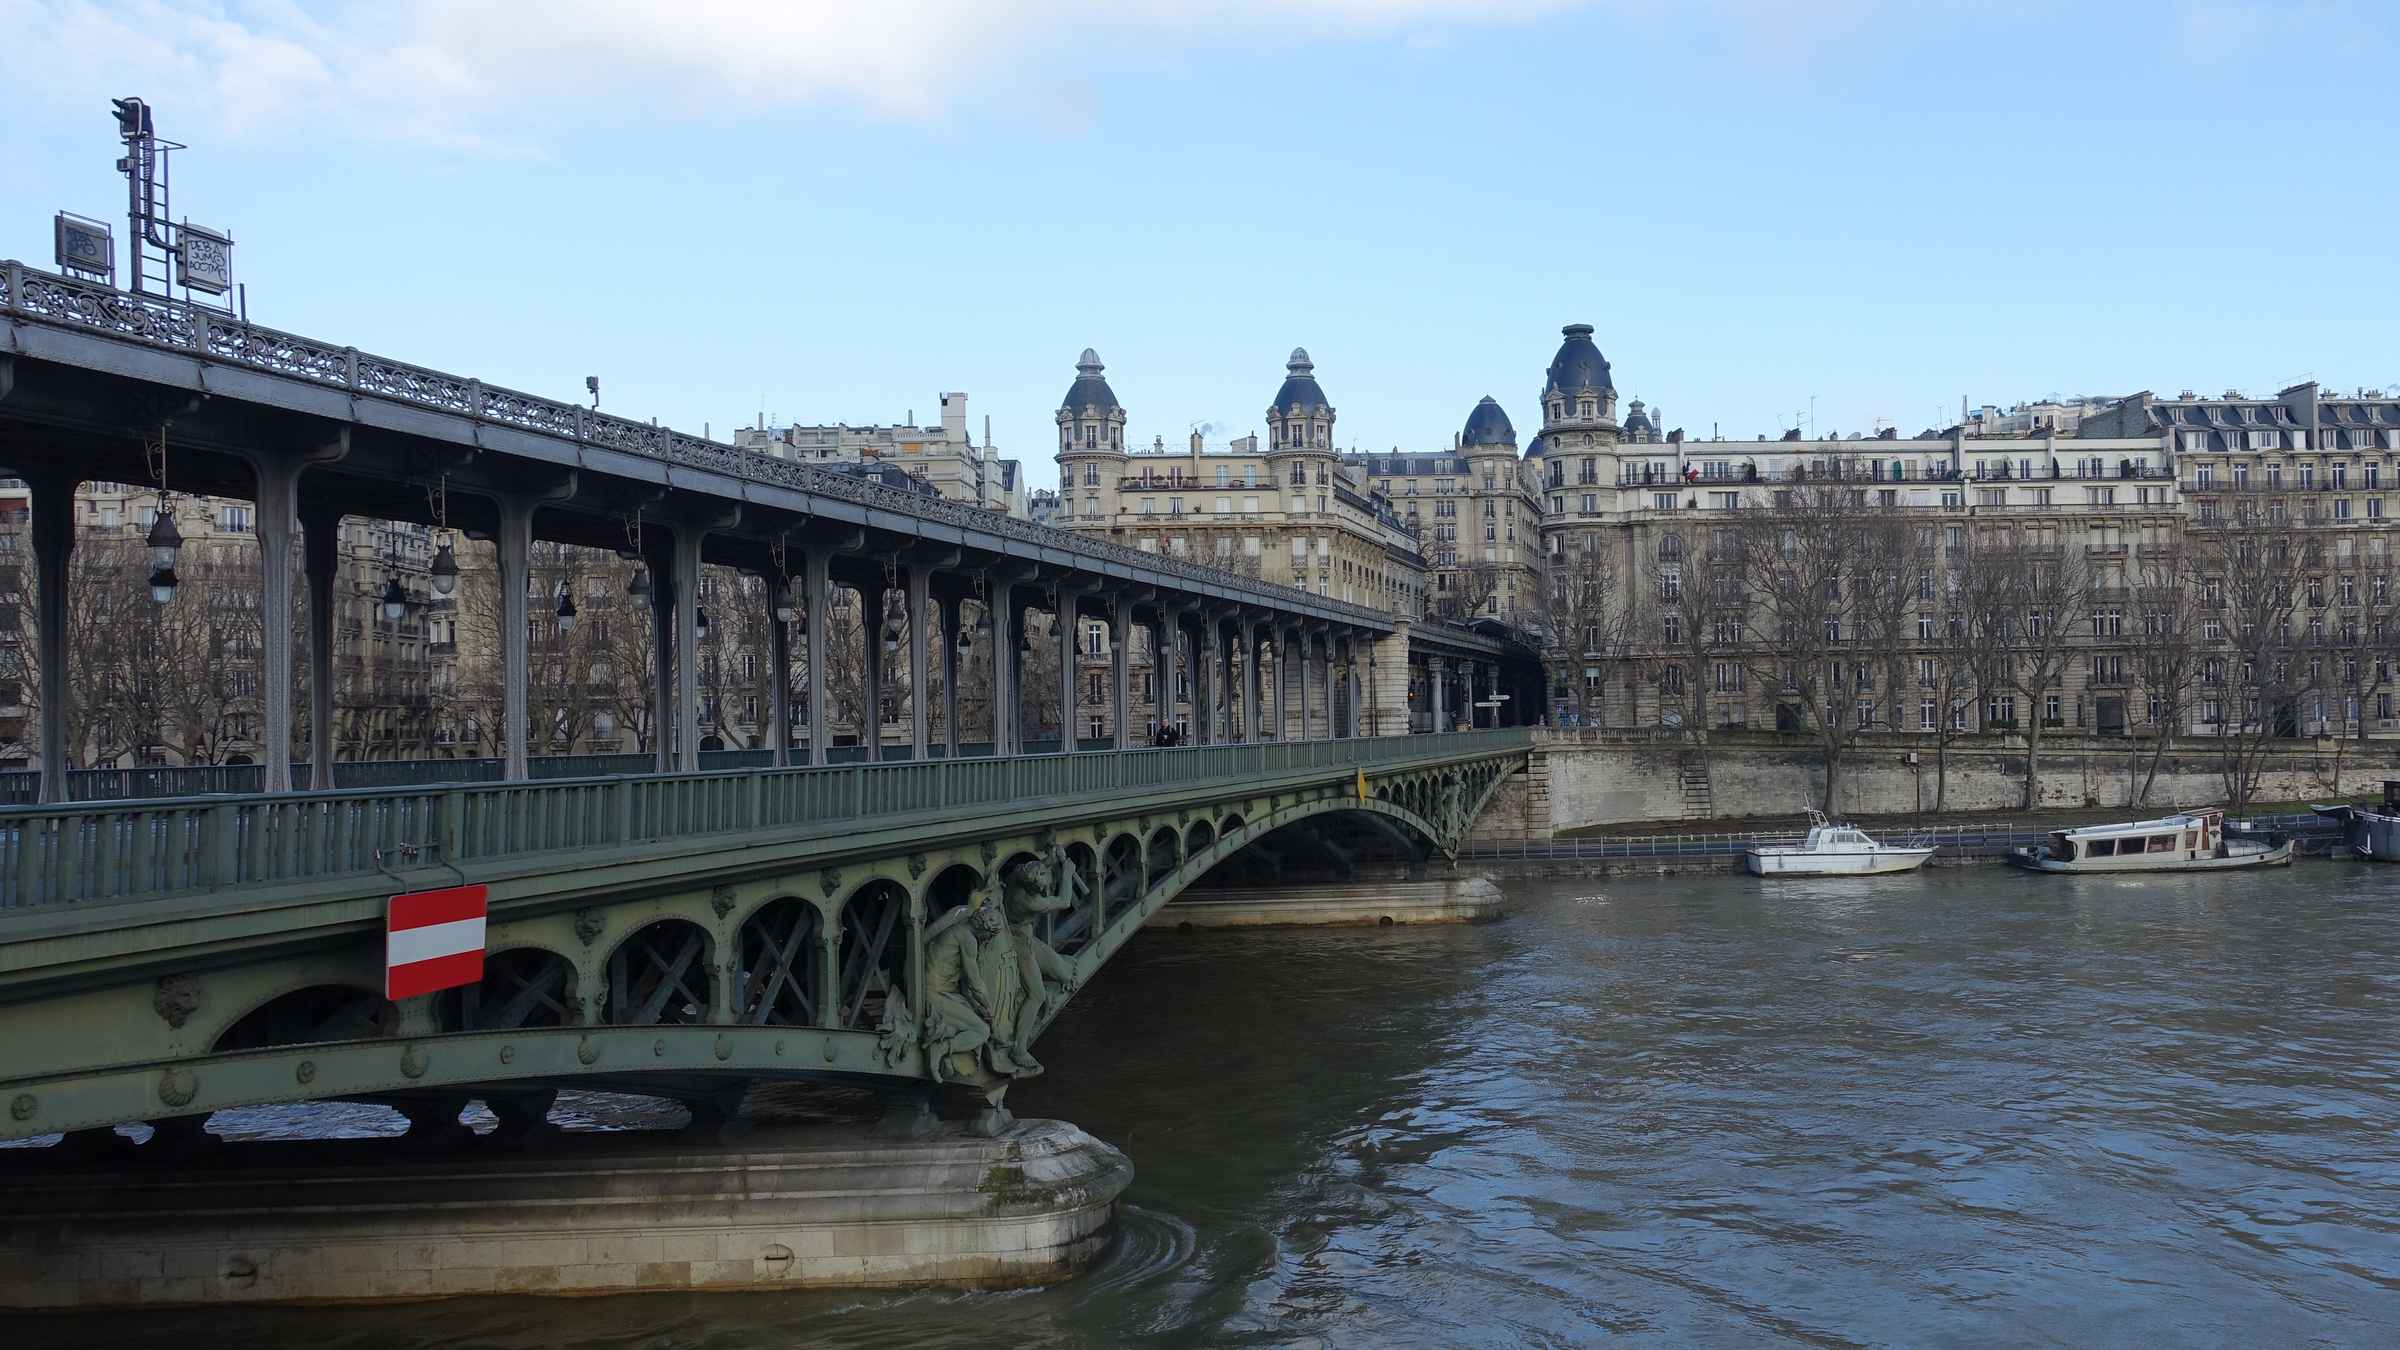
point(133, 117)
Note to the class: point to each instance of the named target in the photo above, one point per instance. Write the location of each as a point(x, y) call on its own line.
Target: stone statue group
point(990, 984)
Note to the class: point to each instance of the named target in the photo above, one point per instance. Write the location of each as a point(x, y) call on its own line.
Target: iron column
point(919, 589)
point(53, 547)
point(949, 625)
point(779, 676)
point(870, 631)
point(1121, 670)
point(818, 572)
point(687, 641)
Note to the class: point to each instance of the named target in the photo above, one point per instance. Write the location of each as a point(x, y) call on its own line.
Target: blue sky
point(834, 214)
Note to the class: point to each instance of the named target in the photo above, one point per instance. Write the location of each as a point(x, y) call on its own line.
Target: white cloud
point(497, 73)
point(459, 70)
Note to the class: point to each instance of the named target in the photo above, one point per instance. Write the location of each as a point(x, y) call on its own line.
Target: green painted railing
point(131, 850)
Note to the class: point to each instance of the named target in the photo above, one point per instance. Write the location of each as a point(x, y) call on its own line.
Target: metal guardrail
point(152, 849)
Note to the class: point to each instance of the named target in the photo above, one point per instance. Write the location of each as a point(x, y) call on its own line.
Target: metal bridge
point(678, 934)
point(103, 384)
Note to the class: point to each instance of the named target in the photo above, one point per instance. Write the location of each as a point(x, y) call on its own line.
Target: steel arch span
point(694, 981)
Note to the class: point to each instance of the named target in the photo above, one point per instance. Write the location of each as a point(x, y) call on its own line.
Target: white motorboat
point(2194, 841)
point(1833, 850)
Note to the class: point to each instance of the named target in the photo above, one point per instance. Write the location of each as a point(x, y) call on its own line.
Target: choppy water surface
point(1975, 1107)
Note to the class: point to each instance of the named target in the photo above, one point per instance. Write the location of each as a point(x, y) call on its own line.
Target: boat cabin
point(2172, 838)
point(1837, 839)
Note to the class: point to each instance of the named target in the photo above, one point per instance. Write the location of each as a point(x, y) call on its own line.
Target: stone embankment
point(1582, 781)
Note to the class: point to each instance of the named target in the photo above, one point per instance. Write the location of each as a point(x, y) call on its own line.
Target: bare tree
point(1696, 585)
point(1970, 634)
point(1581, 618)
point(1466, 590)
point(1800, 555)
point(2360, 675)
point(1893, 567)
point(2164, 618)
point(2251, 569)
point(2051, 596)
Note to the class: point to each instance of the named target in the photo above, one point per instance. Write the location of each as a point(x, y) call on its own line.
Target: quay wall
point(1580, 782)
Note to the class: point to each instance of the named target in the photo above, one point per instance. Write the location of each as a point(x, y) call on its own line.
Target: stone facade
point(1288, 511)
point(945, 457)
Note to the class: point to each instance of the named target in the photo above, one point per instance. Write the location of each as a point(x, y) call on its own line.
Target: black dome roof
point(1538, 448)
point(1639, 418)
point(1089, 389)
point(1579, 364)
point(1300, 385)
point(1488, 425)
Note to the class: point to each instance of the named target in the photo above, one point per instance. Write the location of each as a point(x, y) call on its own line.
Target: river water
point(1969, 1108)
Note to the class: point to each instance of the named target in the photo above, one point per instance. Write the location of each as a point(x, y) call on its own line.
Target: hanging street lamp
point(445, 570)
point(395, 600)
point(165, 542)
point(566, 609)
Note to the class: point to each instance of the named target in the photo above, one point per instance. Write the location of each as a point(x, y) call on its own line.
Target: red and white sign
point(433, 940)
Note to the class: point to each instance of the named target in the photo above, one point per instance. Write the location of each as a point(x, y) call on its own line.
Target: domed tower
point(1489, 443)
point(1300, 429)
point(1640, 428)
point(1578, 396)
point(1579, 426)
point(1091, 441)
point(1488, 429)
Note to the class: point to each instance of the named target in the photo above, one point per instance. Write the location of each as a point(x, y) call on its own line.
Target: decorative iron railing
point(31, 293)
point(141, 850)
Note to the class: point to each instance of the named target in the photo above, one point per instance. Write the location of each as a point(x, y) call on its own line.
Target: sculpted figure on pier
point(990, 983)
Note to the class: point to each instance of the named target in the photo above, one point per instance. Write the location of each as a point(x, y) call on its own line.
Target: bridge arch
point(1161, 856)
point(660, 974)
point(1200, 837)
point(1071, 930)
point(1122, 877)
point(1395, 826)
point(871, 951)
point(325, 1011)
point(523, 985)
point(948, 888)
point(780, 968)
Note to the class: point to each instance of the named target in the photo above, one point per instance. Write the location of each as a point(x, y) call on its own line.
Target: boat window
point(2100, 848)
point(2162, 843)
point(2191, 839)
